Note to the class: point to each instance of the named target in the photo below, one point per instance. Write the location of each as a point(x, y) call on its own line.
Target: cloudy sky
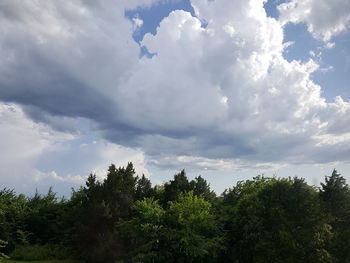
point(226, 89)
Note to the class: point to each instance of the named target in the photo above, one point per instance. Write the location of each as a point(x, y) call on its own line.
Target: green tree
point(43, 221)
point(274, 220)
point(193, 234)
point(180, 184)
point(119, 190)
point(144, 188)
point(147, 232)
point(200, 187)
point(13, 210)
point(335, 194)
point(103, 207)
point(175, 187)
point(185, 232)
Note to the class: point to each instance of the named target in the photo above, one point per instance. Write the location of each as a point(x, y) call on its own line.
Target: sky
point(224, 89)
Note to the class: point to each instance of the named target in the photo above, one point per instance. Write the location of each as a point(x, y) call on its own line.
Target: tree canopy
point(125, 218)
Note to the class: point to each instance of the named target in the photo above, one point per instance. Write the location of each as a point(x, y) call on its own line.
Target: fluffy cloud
point(217, 86)
point(225, 91)
point(35, 154)
point(324, 18)
point(22, 142)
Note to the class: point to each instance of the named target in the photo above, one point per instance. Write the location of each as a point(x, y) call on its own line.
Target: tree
point(335, 195)
point(144, 188)
point(185, 232)
point(175, 187)
point(13, 210)
point(43, 221)
point(104, 207)
point(180, 184)
point(274, 220)
point(193, 233)
point(119, 190)
point(201, 187)
point(147, 231)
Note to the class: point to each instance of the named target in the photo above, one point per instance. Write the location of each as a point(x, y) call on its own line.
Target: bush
point(2, 255)
point(38, 252)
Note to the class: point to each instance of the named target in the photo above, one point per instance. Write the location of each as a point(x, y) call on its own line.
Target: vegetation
point(2, 255)
point(44, 261)
point(125, 219)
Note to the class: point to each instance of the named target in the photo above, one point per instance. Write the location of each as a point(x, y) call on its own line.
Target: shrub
point(2, 255)
point(38, 252)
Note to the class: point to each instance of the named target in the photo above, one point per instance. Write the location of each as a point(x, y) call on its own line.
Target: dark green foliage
point(28, 221)
point(124, 219)
point(146, 230)
point(103, 207)
point(274, 220)
point(175, 187)
point(185, 232)
point(200, 187)
point(335, 194)
point(144, 188)
point(180, 184)
point(43, 222)
point(119, 190)
point(193, 234)
point(38, 252)
point(2, 245)
point(13, 210)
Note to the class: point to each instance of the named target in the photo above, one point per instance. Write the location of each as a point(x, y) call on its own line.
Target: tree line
point(125, 219)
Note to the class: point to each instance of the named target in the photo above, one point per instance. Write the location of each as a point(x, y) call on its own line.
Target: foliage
point(123, 218)
point(192, 230)
point(335, 196)
point(185, 232)
point(44, 219)
point(103, 207)
point(275, 220)
point(146, 229)
point(180, 184)
point(144, 188)
point(12, 213)
point(2, 245)
point(38, 252)
point(44, 261)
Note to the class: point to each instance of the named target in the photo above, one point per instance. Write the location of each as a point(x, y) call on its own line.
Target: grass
point(41, 261)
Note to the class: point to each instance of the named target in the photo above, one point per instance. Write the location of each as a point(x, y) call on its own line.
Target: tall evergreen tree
point(175, 187)
point(105, 206)
point(335, 194)
point(144, 188)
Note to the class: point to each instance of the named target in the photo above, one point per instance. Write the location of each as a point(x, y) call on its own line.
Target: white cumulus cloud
point(324, 19)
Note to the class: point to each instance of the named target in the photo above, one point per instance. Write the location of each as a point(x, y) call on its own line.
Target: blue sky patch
point(152, 16)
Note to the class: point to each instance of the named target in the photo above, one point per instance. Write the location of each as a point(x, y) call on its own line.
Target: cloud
point(22, 143)
point(195, 164)
point(216, 91)
point(35, 155)
point(71, 179)
point(324, 19)
point(69, 59)
point(220, 93)
point(137, 23)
